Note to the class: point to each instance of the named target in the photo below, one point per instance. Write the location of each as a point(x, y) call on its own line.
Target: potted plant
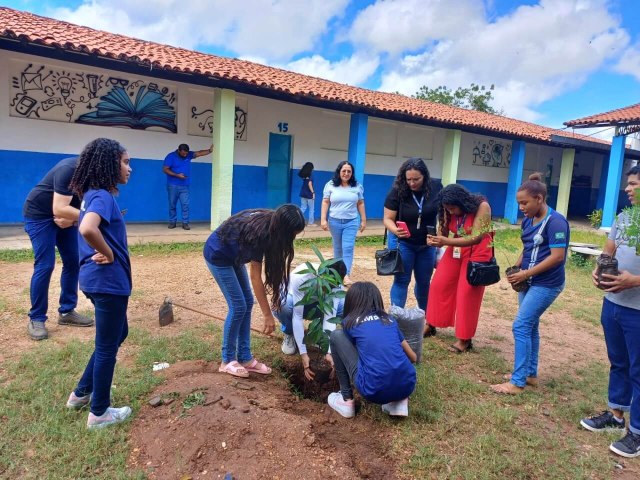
point(319, 293)
point(629, 232)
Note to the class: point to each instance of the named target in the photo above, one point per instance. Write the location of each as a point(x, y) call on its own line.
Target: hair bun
point(536, 176)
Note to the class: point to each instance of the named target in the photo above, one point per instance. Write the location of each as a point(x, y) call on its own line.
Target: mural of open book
point(116, 109)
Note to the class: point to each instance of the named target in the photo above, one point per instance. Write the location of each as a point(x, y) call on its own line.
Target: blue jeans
point(343, 234)
point(621, 327)
point(418, 259)
point(45, 236)
point(180, 192)
point(308, 202)
point(236, 289)
point(111, 331)
point(285, 315)
point(533, 304)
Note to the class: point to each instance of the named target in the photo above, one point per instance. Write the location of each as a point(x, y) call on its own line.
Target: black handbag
point(483, 273)
point(388, 261)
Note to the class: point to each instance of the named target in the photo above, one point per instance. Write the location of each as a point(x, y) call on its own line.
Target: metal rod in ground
point(253, 329)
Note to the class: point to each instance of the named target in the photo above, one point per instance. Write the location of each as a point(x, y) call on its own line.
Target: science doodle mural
point(201, 118)
point(62, 95)
point(491, 154)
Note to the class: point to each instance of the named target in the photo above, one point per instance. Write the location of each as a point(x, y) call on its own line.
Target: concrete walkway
point(13, 237)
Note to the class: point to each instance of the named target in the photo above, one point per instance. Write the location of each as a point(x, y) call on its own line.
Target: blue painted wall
point(145, 196)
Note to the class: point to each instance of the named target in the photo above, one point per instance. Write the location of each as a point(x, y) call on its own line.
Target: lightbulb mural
point(50, 93)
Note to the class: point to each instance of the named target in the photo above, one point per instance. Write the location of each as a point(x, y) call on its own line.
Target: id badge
point(457, 252)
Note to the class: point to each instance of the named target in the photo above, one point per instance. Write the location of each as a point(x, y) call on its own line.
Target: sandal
point(235, 369)
point(256, 367)
point(430, 331)
point(453, 348)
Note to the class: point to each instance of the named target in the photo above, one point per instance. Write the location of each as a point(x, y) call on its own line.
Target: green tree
point(474, 97)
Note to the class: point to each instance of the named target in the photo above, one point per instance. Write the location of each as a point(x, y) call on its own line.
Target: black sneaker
point(603, 422)
point(628, 446)
point(172, 225)
point(185, 226)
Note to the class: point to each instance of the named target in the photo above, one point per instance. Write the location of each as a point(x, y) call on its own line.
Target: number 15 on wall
point(283, 127)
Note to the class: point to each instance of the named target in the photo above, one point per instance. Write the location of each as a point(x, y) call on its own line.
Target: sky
point(550, 60)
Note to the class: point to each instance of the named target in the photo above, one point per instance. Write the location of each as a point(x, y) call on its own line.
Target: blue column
point(515, 179)
point(614, 175)
point(604, 170)
point(358, 144)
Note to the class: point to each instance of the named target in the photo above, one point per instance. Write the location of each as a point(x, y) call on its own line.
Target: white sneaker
point(346, 408)
point(397, 409)
point(109, 417)
point(289, 346)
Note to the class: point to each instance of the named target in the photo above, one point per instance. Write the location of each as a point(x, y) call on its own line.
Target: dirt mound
point(252, 428)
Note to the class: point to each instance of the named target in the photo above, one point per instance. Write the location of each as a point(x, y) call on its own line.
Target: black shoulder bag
point(389, 261)
point(483, 273)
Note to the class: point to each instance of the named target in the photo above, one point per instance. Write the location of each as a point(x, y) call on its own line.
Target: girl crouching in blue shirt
point(256, 237)
point(545, 237)
point(105, 273)
point(371, 353)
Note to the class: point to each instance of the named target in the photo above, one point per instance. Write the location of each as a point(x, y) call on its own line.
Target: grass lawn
point(457, 429)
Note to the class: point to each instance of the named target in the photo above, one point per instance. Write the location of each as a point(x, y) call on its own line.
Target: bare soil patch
point(252, 428)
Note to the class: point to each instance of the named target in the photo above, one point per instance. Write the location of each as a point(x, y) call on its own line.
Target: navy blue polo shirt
point(385, 373)
point(234, 250)
point(554, 235)
point(113, 278)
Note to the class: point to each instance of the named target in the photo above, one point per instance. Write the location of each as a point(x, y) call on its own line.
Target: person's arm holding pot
point(608, 249)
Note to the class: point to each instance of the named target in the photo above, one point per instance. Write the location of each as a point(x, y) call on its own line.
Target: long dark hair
point(275, 230)
point(458, 196)
point(362, 299)
point(98, 167)
point(337, 181)
point(306, 170)
point(534, 186)
point(400, 183)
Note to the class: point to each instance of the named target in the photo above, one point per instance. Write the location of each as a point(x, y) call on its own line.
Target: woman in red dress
point(452, 301)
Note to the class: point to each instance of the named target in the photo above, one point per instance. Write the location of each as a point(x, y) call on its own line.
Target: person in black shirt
point(412, 201)
point(51, 214)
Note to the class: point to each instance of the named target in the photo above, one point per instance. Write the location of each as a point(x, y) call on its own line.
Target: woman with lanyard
point(452, 300)
point(545, 237)
point(410, 204)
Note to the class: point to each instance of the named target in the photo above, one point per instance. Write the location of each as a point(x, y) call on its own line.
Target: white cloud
point(630, 62)
point(354, 70)
point(532, 55)
point(398, 25)
point(275, 29)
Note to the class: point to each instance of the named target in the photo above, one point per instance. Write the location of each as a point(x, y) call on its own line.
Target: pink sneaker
point(76, 403)
point(346, 408)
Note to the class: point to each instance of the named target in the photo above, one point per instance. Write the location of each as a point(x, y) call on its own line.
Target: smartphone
point(403, 226)
point(431, 230)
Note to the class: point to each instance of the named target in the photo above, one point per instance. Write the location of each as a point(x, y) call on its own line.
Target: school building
point(64, 85)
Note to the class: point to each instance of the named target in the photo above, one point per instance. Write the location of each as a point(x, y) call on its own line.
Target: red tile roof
point(618, 117)
point(35, 29)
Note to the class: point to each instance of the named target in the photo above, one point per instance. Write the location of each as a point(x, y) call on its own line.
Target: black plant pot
point(518, 287)
point(606, 264)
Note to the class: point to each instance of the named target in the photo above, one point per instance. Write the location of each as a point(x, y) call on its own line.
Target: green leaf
point(317, 252)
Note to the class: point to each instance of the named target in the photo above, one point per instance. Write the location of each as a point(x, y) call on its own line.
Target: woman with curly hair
point(258, 237)
point(452, 300)
point(105, 273)
point(342, 202)
point(411, 201)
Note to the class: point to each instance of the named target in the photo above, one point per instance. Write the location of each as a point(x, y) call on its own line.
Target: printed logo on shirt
point(83, 207)
point(560, 236)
